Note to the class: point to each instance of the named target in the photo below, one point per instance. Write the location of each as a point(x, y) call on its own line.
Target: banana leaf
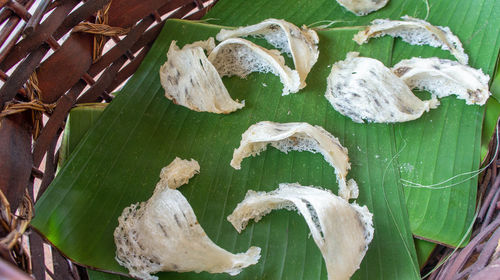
point(118, 162)
point(424, 251)
point(491, 115)
point(98, 275)
point(81, 119)
point(141, 132)
point(445, 142)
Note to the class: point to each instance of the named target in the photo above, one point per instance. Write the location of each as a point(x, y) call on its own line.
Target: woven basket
point(52, 58)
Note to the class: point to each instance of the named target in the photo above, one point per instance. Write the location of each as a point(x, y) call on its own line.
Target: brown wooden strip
point(10, 272)
point(19, 9)
point(54, 45)
point(199, 4)
point(182, 12)
point(461, 258)
point(21, 74)
point(8, 28)
point(15, 155)
point(104, 81)
point(4, 252)
point(125, 13)
point(128, 70)
point(37, 255)
point(492, 209)
point(489, 197)
point(10, 45)
point(37, 17)
point(157, 16)
point(199, 14)
point(486, 253)
point(122, 47)
point(148, 37)
point(81, 271)
point(82, 13)
point(55, 122)
point(62, 271)
point(6, 13)
point(32, 42)
point(172, 5)
point(491, 272)
point(50, 167)
point(65, 66)
point(37, 173)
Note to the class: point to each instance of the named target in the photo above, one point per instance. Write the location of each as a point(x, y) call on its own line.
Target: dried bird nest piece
point(363, 7)
point(416, 32)
point(241, 57)
point(443, 77)
point(190, 80)
point(298, 137)
point(163, 234)
point(342, 231)
point(363, 88)
point(299, 43)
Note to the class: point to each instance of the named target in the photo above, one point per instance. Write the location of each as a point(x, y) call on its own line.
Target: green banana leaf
point(492, 113)
point(86, 184)
point(424, 251)
point(445, 142)
point(81, 119)
point(98, 275)
point(118, 162)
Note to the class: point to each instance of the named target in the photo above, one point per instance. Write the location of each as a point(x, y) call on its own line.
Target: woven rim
point(37, 95)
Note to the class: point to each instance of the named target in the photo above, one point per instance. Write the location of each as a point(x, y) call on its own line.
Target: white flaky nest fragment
point(299, 43)
point(342, 231)
point(443, 77)
point(416, 32)
point(163, 234)
point(190, 80)
point(298, 137)
point(363, 88)
point(362, 7)
point(241, 57)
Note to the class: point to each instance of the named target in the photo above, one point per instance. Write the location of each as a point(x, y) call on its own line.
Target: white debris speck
point(264, 84)
point(289, 112)
point(406, 167)
point(377, 156)
point(359, 149)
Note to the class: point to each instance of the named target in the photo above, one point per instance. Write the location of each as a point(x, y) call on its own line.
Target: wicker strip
point(102, 17)
point(21, 93)
point(16, 225)
point(100, 29)
point(35, 19)
point(18, 107)
point(32, 44)
point(35, 105)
